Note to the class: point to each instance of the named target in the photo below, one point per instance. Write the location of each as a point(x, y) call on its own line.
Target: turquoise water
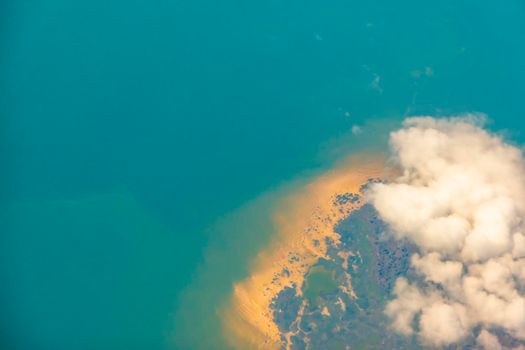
point(129, 127)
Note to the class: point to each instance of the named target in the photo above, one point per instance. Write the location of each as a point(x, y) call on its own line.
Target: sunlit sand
point(304, 221)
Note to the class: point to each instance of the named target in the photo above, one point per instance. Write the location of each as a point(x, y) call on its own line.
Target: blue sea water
point(128, 127)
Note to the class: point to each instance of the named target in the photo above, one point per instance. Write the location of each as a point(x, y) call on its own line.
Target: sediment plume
point(304, 221)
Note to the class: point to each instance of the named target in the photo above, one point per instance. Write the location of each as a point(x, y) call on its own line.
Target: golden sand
point(303, 221)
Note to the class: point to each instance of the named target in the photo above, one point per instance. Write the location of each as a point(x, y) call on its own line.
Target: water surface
point(128, 129)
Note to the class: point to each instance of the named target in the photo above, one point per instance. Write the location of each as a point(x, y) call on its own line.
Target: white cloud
point(376, 83)
point(356, 130)
point(442, 323)
point(488, 341)
point(408, 302)
point(460, 197)
point(434, 269)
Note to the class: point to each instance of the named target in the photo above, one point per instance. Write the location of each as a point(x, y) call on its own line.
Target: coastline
point(303, 221)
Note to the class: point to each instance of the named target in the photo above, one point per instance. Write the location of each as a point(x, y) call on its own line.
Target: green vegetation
point(319, 280)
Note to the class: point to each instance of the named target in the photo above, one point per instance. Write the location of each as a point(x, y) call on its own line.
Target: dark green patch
point(319, 280)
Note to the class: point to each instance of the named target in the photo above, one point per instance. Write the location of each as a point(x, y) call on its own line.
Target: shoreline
point(303, 221)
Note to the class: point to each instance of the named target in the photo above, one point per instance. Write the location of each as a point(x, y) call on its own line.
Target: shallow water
point(128, 129)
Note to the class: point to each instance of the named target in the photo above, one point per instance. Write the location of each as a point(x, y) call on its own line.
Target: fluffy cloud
point(460, 198)
point(488, 341)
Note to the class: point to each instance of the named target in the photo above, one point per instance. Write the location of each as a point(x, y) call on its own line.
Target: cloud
point(460, 198)
point(376, 83)
point(356, 130)
point(488, 341)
